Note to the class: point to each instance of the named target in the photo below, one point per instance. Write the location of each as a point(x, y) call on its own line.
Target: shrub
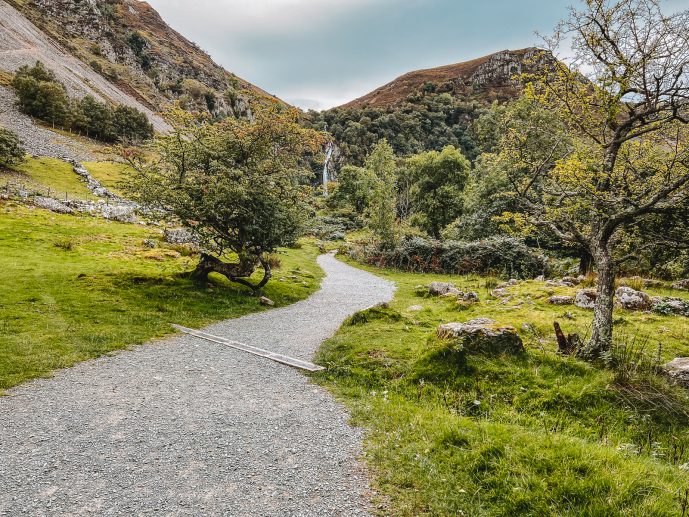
point(11, 149)
point(500, 256)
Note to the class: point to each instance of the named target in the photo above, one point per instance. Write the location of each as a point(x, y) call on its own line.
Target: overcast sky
point(322, 53)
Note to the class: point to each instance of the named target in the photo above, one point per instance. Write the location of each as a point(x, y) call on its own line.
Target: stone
point(149, 243)
point(511, 282)
point(633, 300)
point(540, 278)
point(670, 306)
point(652, 282)
point(482, 335)
point(556, 283)
point(678, 370)
point(499, 292)
point(51, 204)
point(471, 297)
point(442, 288)
point(266, 301)
point(415, 308)
point(586, 298)
point(179, 236)
point(681, 285)
point(561, 300)
point(570, 280)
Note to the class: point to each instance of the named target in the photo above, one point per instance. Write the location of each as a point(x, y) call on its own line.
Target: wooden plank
point(279, 358)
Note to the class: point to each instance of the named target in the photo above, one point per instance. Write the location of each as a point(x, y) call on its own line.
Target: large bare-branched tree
point(604, 145)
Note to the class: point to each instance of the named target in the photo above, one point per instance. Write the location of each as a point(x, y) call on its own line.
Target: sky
point(318, 54)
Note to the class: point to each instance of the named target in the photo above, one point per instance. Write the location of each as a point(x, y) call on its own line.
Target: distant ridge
point(490, 77)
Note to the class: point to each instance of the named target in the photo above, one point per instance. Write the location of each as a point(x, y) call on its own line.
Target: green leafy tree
point(438, 181)
point(382, 210)
point(354, 188)
point(622, 106)
point(131, 125)
point(235, 184)
point(11, 149)
point(41, 95)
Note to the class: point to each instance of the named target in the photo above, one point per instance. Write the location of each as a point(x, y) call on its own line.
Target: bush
point(11, 149)
point(42, 96)
point(500, 256)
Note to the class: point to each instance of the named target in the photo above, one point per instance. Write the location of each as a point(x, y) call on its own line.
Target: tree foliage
point(41, 95)
point(11, 149)
point(601, 145)
point(235, 184)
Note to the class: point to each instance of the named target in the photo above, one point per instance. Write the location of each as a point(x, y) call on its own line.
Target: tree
point(438, 186)
point(11, 149)
point(41, 95)
point(621, 108)
point(354, 188)
point(382, 213)
point(131, 125)
point(235, 184)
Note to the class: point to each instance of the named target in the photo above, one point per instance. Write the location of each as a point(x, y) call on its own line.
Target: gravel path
point(186, 427)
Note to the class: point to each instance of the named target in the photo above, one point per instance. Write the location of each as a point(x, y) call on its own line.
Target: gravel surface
point(187, 427)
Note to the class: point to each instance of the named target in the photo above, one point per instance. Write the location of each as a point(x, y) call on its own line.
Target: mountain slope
point(487, 78)
point(119, 50)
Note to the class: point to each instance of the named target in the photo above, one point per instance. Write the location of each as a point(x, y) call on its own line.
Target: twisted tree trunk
point(235, 272)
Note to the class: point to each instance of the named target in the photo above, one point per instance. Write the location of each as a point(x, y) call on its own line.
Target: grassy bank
point(73, 288)
point(535, 435)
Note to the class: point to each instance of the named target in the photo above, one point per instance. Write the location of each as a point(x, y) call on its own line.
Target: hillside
point(118, 51)
point(487, 78)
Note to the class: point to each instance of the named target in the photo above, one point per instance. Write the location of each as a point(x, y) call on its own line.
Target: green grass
point(535, 435)
point(73, 288)
point(110, 174)
point(54, 174)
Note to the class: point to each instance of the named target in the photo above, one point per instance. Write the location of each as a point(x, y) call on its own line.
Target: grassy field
point(73, 288)
point(534, 435)
point(110, 174)
point(54, 174)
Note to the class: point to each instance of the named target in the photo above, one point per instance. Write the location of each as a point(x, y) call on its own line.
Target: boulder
point(678, 370)
point(558, 283)
point(586, 298)
point(442, 288)
point(633, 300)
point(681, 285)
point(482, 335)
point(179, 236)
point(571, 280)
point(670, 306)
point(52, 204)
point(499, 292)
point(511, 282)
point(561, 300)
point(471, 297)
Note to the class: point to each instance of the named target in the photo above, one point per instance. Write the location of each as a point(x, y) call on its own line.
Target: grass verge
point(73, 288)
point(535, 435)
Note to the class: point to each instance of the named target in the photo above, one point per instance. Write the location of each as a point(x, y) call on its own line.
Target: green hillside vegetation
point(110, 174)
point(74, 288)
point(534, 435)
point(53, 174)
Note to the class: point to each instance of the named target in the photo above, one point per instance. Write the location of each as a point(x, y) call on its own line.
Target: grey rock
point(150, 243)
point(561, 300)
point(470, 296)
point(179, 236)
point(482, 335)
point(560, 283)
point(266, 301)
point(51, 204)
point(681, 285)
point(442, 288)
point(586, 299)
point(670, 306)
point(678, 370)
point(632, 300)
point(415, 308)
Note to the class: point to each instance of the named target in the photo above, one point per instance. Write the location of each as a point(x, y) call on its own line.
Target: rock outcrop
point(482, 335)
